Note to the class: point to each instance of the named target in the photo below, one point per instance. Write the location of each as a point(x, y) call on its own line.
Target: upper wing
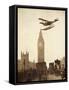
point(42, 19)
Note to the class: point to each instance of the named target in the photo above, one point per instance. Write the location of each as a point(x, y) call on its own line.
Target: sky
point(28, 32)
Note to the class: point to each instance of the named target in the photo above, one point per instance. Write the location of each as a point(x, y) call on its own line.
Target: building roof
point(40, 38)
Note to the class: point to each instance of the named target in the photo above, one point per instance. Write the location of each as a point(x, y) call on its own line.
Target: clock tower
point(40, 48)
point(41, 64)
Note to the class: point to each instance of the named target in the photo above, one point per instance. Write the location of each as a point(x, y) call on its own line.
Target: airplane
point(49, 27)
point(46, 22)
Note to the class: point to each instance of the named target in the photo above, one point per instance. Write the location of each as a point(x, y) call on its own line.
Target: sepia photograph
point(41, 45)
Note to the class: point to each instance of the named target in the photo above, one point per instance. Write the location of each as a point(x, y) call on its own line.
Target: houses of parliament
point(31, 71)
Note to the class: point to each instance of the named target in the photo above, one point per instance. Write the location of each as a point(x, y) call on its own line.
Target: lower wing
point(47, 28)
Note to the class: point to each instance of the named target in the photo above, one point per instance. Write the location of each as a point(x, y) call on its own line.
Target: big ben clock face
point(40, 44)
